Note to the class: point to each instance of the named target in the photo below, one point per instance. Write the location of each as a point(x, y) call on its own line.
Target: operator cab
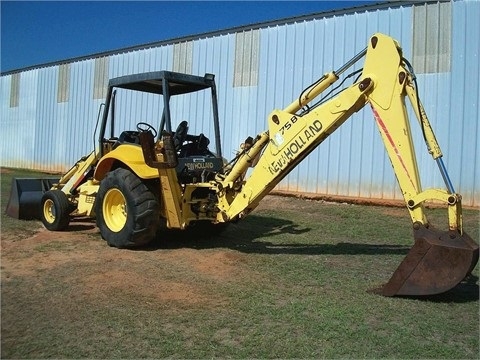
point(175, 97)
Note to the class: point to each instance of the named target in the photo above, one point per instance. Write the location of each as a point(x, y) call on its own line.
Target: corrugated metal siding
point(352, 162)
point(42, 133)
point(463, 93)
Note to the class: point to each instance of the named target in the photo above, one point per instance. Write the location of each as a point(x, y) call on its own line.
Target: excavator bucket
point(26, 195)
point(437, 262)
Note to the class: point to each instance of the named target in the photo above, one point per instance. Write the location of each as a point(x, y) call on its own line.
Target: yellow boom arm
point(292, 134)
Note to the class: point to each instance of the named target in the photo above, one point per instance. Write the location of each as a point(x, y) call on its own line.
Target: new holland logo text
point(192, 166)
point(295, 147)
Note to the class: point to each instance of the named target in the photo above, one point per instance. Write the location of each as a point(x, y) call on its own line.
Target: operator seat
point(180, 135)
point(190, 145)
point(196, 145)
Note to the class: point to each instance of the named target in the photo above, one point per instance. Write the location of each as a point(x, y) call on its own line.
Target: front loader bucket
point(437, 262)
point(26, 195)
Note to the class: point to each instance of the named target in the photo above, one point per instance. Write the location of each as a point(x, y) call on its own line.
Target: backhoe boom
point(439, 260)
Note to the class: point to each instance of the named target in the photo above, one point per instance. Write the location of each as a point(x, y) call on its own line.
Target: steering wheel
point(180, 134)
point(142, 126)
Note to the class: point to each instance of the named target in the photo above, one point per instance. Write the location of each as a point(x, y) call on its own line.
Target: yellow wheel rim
point(114, 210)
point(49, 211)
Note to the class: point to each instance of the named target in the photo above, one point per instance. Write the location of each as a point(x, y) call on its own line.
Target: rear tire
point(55, 213)
point(126, 210)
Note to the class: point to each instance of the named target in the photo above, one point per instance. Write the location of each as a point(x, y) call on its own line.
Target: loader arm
point(439, 260)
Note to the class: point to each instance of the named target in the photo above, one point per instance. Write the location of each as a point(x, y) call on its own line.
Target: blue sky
point(37, 32)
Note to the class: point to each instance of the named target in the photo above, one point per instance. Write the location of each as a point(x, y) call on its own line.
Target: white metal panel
point(18, 134)
point(462, 137)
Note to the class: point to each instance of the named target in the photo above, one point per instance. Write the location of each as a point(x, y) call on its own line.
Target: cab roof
point(152, 82)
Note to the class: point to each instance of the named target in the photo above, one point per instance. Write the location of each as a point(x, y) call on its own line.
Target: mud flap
point(26, 195)
point(437, 262)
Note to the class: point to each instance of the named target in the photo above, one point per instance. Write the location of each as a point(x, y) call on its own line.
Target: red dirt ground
point(103, 269)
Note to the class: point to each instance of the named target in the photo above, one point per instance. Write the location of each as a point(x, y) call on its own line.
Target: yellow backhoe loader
point(146, 179)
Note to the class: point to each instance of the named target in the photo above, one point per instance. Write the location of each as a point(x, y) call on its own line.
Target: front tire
point(55, 213)
point(126, 210)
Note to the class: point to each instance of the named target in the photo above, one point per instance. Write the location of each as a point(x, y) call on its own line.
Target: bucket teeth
point(437, 262)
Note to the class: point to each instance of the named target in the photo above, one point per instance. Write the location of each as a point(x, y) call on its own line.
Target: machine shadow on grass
point(249, 235)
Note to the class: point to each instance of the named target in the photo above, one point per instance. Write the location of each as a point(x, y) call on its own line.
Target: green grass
point(292, 280)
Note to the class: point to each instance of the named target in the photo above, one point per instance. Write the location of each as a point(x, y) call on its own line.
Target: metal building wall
point(261, 68)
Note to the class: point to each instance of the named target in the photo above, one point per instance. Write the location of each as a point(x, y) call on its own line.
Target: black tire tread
point(62, 209)
point(143, 205)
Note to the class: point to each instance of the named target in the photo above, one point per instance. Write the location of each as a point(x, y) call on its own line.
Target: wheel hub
point(115, 210)
point(49, 211)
